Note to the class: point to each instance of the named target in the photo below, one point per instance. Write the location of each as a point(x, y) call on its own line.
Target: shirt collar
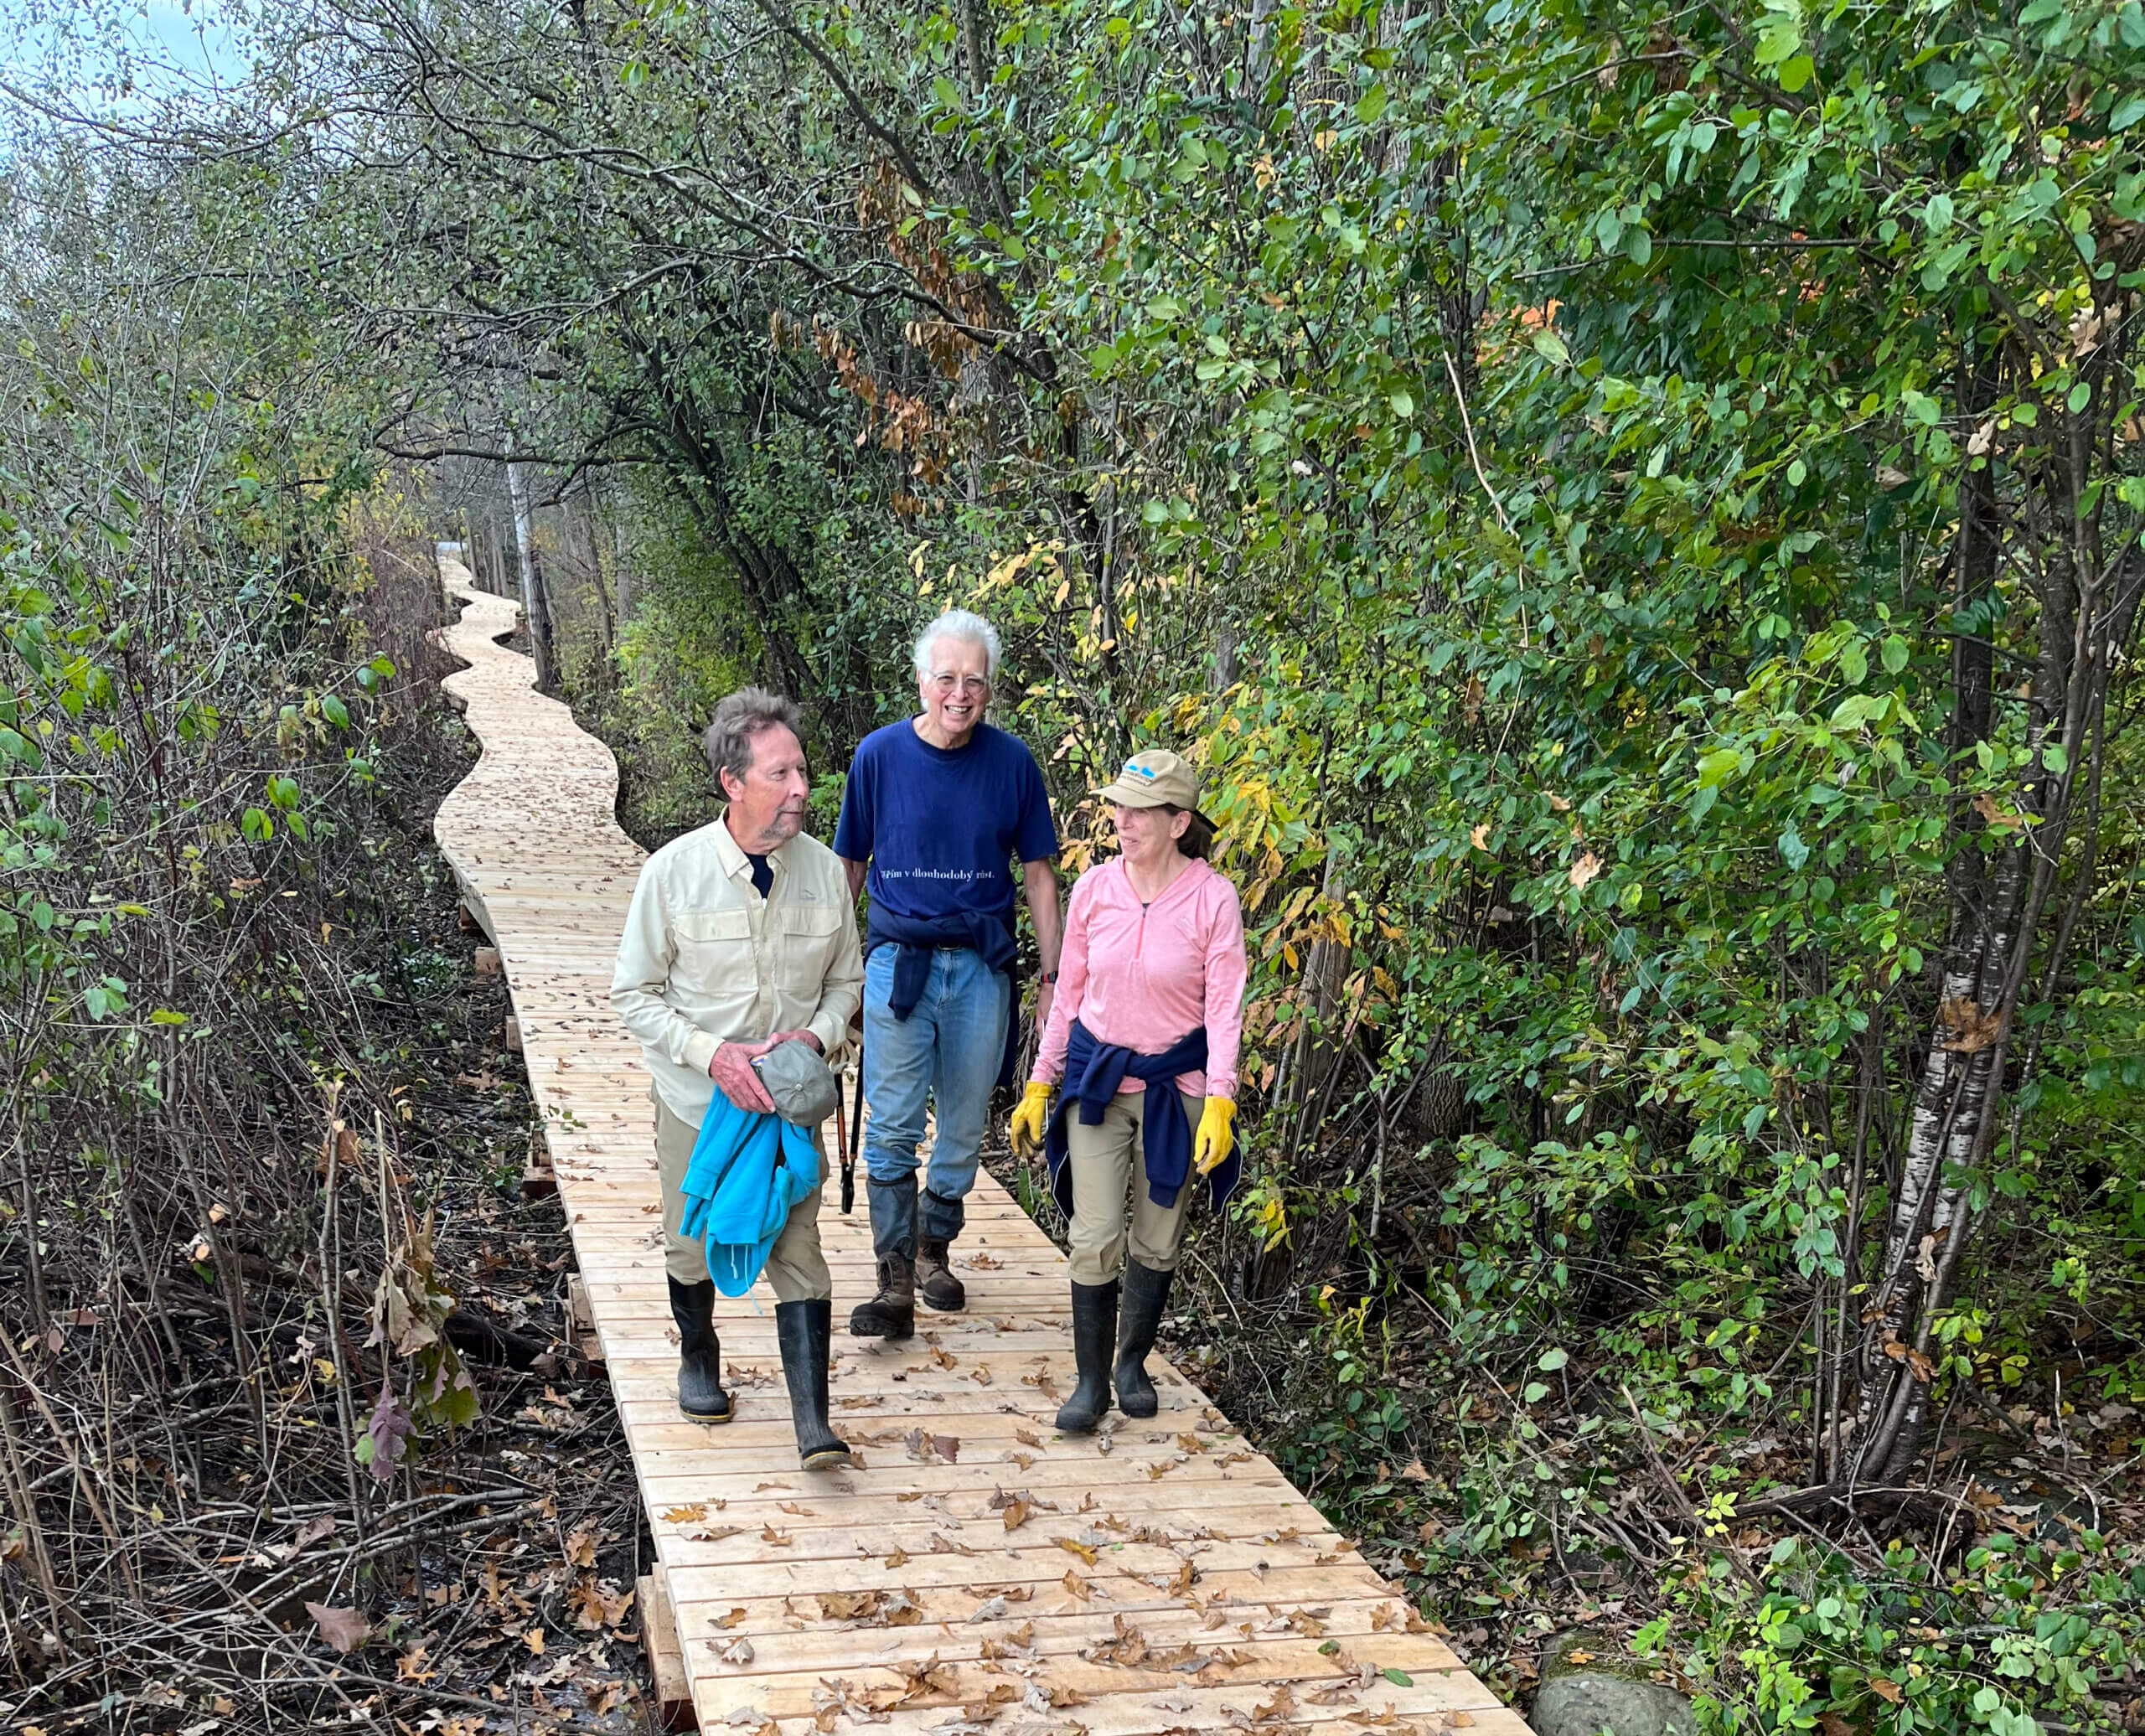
point(731, 854)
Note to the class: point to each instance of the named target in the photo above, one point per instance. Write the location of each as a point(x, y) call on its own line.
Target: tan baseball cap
point(1156, 778)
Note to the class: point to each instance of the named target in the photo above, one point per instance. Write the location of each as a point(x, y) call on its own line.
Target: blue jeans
point(947, 1051)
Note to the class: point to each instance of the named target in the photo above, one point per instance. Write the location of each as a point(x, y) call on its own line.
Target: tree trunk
point(534, 604)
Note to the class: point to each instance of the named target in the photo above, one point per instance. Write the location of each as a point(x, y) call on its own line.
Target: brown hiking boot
point(891, 1314)
point(934, 1278)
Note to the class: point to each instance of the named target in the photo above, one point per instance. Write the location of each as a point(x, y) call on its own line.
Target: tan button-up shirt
point(706, 960)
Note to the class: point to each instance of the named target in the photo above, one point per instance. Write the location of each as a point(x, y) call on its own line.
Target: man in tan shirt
point(742, 935)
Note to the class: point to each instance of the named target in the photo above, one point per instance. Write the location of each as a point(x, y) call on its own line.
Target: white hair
point(958, 624)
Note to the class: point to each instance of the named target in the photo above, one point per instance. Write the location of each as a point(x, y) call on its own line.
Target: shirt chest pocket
point(714, 956)
point(804, 941)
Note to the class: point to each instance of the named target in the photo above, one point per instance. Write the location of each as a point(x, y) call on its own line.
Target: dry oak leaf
point(686, 1514)
point(927, 1446)
point(344, 1630)
point(1975, 1030)
point(1027, 1437)
point(1072, 1582)
point(780, 1539)
point(1585, 870)
point(739, 1650)
point(1997, 817)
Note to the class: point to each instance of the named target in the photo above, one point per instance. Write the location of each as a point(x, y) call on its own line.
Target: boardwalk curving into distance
point(977, 1571)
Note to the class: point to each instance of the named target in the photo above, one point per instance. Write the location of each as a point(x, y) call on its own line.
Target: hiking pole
point(841, 1140)
point(852, 1136)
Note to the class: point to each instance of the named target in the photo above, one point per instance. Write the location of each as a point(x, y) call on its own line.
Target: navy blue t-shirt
point(941, 828)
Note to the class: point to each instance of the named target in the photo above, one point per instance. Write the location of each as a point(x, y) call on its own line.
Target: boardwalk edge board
point(979, 1573)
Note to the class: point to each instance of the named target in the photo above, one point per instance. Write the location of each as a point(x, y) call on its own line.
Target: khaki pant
point(796, 1268)
point(1106, 1159)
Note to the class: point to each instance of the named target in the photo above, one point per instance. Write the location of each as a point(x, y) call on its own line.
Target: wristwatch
point(1050, 978)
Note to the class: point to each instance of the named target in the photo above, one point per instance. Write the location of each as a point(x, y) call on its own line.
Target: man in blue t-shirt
point(940, 806)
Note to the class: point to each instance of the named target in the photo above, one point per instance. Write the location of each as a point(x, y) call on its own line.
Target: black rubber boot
point(933, 1273)
point(803, 1330)
point(701, 1396)
point(891, 1313)
point(1145, 1291)
point(1094, 1333)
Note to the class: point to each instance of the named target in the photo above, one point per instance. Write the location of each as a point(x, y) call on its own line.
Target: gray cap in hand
point(801, 1085)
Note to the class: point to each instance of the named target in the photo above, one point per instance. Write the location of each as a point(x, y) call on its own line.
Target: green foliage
point(2018, 1634)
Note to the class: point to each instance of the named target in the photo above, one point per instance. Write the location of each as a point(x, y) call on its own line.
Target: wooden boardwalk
point(977, 1571)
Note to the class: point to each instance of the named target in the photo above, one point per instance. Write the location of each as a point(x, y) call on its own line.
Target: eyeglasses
point(946, 683)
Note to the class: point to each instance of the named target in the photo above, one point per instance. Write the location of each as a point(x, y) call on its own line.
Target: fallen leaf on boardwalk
point(850, 1605)
point(345, 1630)
point(944, 1359)
point(1460, 1720)
point(1027, 1437)
point(946, 1545)
point(1306, 1624)
point(856, 1400)
point(981, 1376)
point(983, 1263)
point(1155, 1473)
point(927, 1446)
point(1072, 1582)
point(1071, 1546)
point(780, 1539)
point(739, 1650)
point(791, 1506)
point(712, 1533)
point(758, 1487)
point(1127, 1647)
point(898, 1558)
point(686, 1515)
point(1237, 1458)
point(752, 1719)
point(1334, 1694)
point(1182, 1583)
point(1015, 1514)
point(1191, 1443)
point(1027, 1461)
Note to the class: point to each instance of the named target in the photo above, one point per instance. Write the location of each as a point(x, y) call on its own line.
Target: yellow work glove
point(1030, 1115)
point(1211, 1145)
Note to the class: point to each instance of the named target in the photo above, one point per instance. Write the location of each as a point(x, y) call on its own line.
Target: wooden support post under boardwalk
point(1160, 1576)
point(666, 1660)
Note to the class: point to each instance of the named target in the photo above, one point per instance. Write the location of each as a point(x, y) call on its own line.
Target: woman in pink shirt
point(1144, 1032)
